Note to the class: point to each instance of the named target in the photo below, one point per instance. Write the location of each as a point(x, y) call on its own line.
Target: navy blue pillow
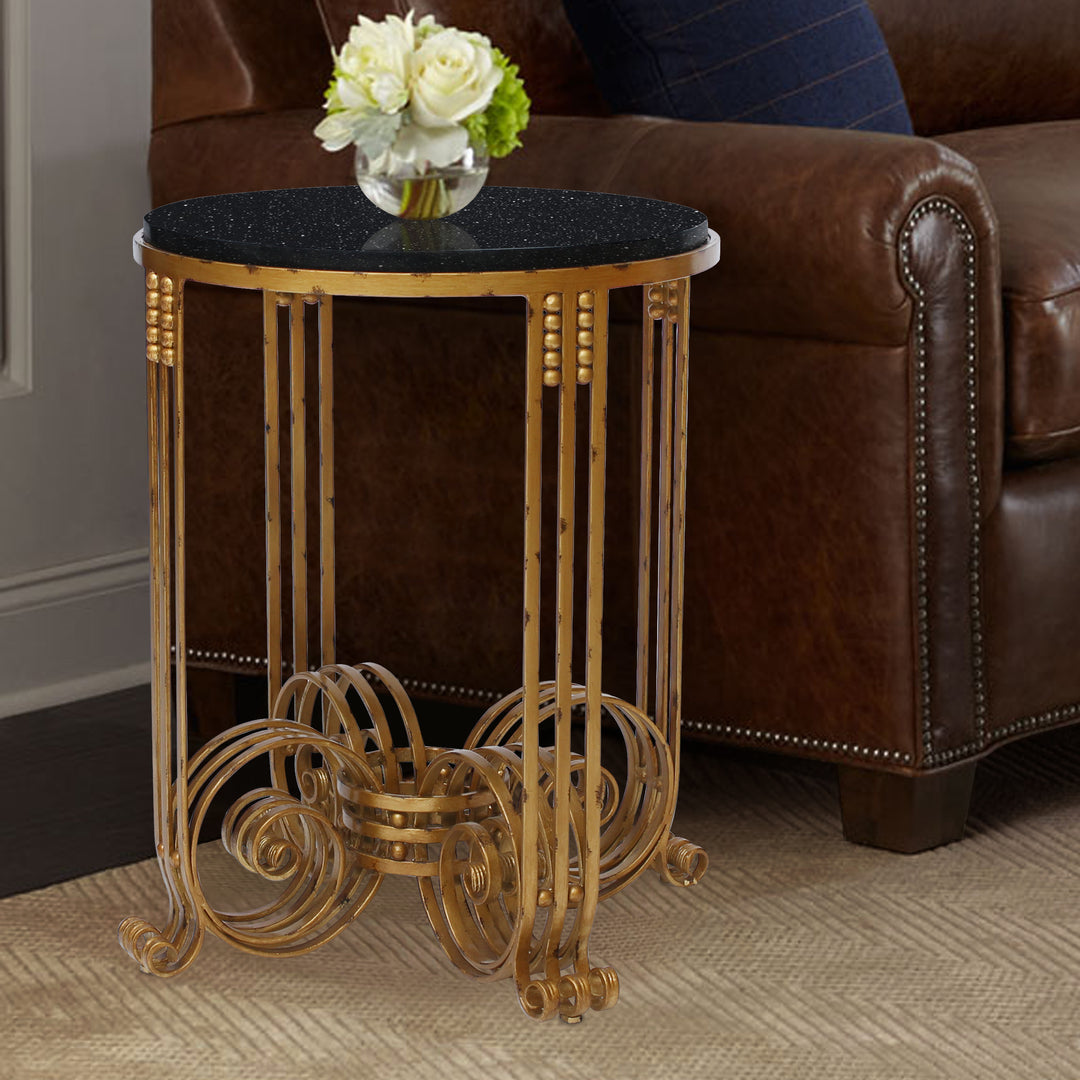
point(820, 63)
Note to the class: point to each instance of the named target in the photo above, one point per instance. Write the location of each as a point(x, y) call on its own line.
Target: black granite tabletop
point(503, 228)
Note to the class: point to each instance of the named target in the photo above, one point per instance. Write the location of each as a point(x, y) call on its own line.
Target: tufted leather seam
point(1014, 296)
point(1053, 433)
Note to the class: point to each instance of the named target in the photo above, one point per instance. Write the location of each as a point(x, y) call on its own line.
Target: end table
point(513, 844)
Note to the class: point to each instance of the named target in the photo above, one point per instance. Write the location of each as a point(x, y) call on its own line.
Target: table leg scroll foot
point(540, 999)
point(681, 862)
point(571, 996)
point(159, 953)
point(604, 987)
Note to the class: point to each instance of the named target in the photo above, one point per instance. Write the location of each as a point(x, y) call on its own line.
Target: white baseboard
point(45, 697)
point(74, 631)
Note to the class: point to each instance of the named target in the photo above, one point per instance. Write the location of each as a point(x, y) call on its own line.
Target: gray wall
point(73, 596)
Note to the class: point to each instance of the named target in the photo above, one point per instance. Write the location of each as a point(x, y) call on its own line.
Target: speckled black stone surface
point(503, 228)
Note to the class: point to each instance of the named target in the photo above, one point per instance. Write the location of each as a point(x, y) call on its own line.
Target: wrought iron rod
point(272, 483)
point(298, 482)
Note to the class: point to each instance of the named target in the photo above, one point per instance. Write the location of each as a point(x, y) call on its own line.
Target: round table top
point(502, 229)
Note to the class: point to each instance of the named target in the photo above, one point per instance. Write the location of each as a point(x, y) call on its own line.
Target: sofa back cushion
point(1032, 175)
point(223, 57)
point(533, 33)
point(820, 63)
point(980, 63)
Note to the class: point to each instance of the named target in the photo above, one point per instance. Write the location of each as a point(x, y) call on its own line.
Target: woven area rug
point(799, 956)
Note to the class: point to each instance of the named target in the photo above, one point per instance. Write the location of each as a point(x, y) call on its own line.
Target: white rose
point(453, 77)
point(374, 65)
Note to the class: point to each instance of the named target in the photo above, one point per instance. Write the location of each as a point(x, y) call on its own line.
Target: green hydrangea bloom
point(507, 113)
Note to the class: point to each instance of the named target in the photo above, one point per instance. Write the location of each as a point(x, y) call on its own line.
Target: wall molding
point(16, 364)
point(74, 631)
point(74, 581)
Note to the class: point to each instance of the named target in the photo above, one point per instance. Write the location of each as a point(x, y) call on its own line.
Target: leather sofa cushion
point(817, 63)
point(1032, 173)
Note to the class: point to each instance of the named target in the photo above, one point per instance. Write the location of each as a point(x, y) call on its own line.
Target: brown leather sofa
point(883, 564)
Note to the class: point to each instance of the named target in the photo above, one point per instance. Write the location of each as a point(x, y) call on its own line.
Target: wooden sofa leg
point(902, 812)
point(211, 702)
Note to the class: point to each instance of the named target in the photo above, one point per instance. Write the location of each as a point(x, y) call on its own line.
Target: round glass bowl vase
point(418, 190)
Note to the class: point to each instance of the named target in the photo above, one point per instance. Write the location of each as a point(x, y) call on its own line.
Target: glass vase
point(417, 190)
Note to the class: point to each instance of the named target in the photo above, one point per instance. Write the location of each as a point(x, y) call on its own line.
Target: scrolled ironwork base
point(346, 806)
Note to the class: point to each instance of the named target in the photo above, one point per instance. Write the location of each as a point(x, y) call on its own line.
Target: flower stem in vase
point(442, 199)
point(425, 198)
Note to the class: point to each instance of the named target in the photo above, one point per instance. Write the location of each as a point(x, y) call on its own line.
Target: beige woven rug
point(800, 956)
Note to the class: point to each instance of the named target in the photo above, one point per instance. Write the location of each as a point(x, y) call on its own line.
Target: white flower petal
point(353, 94)
point(438, 146)
point(389, 92)
point(375, 134)
point(372, 132)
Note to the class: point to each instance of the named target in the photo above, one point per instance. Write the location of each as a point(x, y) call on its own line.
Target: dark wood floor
point(75, 793)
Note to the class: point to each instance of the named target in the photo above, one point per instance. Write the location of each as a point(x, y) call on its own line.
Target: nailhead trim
point(259, 663)
point(953, 213)
point(784, 739)
point(1032, 723)
point(731, 731)
point(221, 657)
point(446, 690)
point(1026, 724)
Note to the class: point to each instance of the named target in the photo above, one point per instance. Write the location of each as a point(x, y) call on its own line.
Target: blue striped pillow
point(820, 63)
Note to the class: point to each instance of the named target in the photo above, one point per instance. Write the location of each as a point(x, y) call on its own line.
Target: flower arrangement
point(419, 99)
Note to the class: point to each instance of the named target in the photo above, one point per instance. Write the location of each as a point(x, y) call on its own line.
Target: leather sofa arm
point(810, 218)
point(221, 57)
point(811, 221)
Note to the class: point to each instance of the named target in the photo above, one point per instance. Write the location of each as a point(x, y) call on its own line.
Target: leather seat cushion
point(1032, 173)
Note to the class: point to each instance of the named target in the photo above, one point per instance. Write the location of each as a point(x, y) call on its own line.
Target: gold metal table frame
point(512, 844)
